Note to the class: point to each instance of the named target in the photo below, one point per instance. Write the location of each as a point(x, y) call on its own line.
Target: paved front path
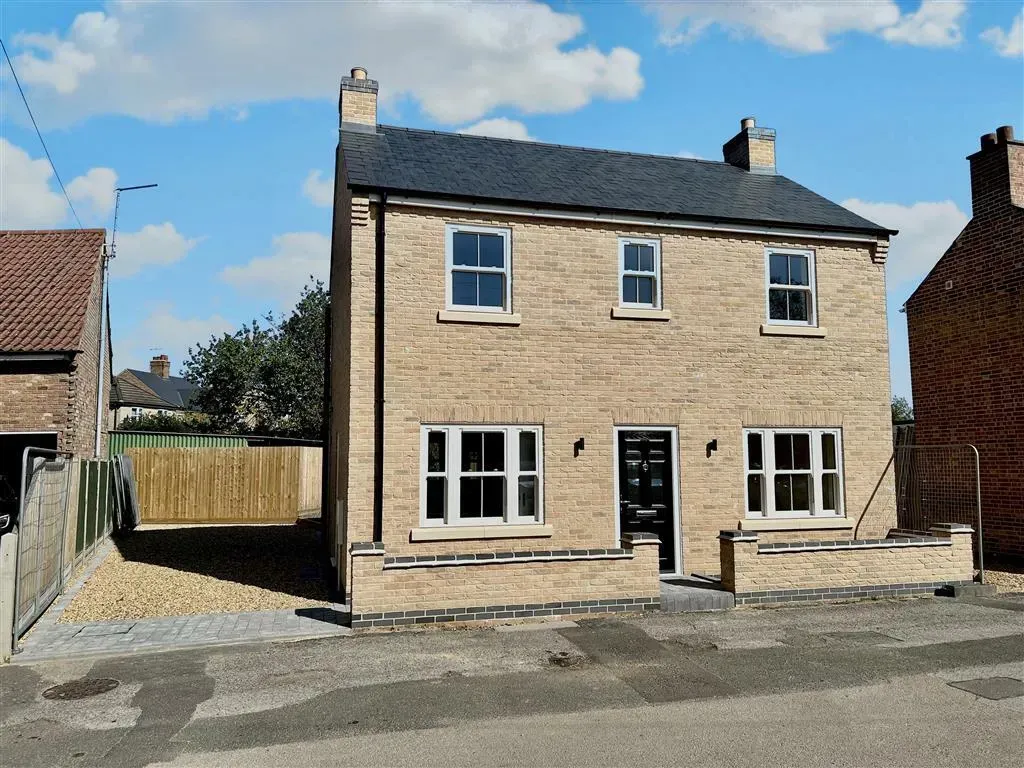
point(49, 639)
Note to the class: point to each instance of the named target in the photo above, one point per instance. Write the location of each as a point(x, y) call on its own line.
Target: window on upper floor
point(793, 472)
point(639, 273)
point(481, 475)
point(478, 268)
point(791, 293)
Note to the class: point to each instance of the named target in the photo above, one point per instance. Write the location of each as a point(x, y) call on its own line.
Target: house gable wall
point(966, 332)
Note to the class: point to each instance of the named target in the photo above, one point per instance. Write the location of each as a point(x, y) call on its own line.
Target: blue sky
point(231, 109)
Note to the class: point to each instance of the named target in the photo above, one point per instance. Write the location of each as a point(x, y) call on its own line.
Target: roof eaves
point(875, 230)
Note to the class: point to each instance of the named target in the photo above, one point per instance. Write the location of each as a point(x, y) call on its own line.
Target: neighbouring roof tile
point(46, 277)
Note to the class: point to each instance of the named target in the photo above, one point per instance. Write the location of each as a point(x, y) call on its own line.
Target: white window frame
point(450, 266)
point(453, 472)
point(656, 273)
point(811, 287)
point(768, 473)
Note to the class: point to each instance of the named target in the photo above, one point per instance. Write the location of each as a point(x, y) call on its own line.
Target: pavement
point(861, 684)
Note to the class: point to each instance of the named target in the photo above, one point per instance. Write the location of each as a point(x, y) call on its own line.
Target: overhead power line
point(17, 82)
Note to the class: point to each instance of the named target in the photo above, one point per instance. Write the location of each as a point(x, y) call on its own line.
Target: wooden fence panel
point(226, 485)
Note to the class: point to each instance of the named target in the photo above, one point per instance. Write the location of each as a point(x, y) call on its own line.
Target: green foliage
point(901, 410)
point(166, 422)
point(268, 377)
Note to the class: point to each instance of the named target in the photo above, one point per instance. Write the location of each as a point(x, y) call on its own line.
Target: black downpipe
point(378, 377)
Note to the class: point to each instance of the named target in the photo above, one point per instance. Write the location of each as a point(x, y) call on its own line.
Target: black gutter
point(378, 375)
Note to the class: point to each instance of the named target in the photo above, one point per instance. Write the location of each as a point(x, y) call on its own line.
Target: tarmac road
point(848, 685)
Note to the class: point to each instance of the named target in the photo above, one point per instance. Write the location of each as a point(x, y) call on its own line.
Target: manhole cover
point(993, 688)
point(80, 689)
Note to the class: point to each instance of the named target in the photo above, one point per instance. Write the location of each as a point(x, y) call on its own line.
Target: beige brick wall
point(746, 570)
point(359, 107)
point(577, 371)
point(409, 589)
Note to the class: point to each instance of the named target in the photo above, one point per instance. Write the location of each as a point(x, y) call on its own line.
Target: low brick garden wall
point(900, 565)
point(493, 586)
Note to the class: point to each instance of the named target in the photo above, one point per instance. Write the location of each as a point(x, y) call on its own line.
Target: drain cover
point(994, 688)
point(80, 689)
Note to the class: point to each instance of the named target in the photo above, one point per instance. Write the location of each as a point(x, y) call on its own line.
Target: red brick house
point(51, 324)
point(966, 328)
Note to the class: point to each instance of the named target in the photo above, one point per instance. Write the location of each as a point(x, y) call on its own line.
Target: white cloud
point(926, 231)
point(318, 190)
point(1007, 43)
point(27, 201)
point(294, 258)
point(31, 199)
point(689, 155)
point(809, 26)
point(153, 245)
point(96, 190)
point(163, 332)
point(154, 60)
point(935, 24)
point(499, 128)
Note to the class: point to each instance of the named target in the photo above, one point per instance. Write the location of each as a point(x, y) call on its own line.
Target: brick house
point(966, 331)
point(50, 328)
point(558, 373)
point(147, 393)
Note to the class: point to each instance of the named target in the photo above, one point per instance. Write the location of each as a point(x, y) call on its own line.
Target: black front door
point(645, 489)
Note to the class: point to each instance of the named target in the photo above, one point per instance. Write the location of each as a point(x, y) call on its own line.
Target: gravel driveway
point(203, 569)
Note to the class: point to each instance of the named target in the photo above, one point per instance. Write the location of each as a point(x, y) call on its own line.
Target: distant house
point(146, 393)
point(966, 331)
point(51, 326)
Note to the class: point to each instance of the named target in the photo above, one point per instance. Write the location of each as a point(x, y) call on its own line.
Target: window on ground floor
point(793, 472)
point(481, 475)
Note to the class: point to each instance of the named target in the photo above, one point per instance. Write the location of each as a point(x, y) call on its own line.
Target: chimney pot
point(1004, 133)
point(358, 73)
point(748, 122)
point(988, 140)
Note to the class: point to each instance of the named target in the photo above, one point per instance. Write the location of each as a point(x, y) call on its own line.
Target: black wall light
point(712, 447)
point(578, 446)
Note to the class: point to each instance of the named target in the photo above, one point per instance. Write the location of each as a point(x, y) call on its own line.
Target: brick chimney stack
point(997, 173)
point(752, 149)
point(357, 103)
point(160, 366)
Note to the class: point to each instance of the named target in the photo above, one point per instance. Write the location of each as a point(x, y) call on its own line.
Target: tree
point(901, 410)
point(166, 422)
point(268, 377)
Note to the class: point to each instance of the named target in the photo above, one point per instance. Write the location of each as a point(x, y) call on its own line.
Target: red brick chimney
point(160, 366)
point(997, 173)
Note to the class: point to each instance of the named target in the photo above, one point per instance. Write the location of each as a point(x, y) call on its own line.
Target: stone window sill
point(460, 532)
point(480, 318)
point(796, 524)
point(793, 330)
point(635, 313)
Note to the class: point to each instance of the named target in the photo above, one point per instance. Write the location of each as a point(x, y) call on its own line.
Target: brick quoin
point(966, 330)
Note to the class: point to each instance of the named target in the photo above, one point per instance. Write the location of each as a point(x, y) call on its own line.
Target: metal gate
point(939, 484)
point(42, 525)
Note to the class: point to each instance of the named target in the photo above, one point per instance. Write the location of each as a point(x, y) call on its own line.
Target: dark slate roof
point(143, 388)
point(416, 162)
point(46, 280)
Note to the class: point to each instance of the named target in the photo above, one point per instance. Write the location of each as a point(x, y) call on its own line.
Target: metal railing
point(939, 484)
